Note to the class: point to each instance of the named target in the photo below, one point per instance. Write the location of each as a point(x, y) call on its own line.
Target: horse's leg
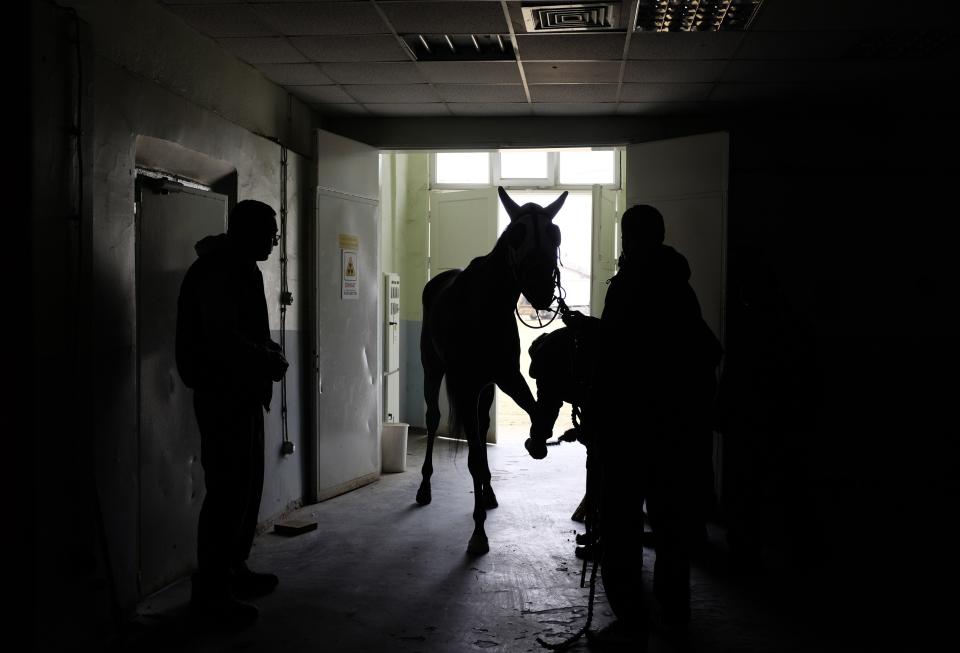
point(432, 376)
point(467, 406)
point(483, 415)
point(513, 383)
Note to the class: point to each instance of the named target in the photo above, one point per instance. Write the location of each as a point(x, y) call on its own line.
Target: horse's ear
point(554, 208)
point(511, 206)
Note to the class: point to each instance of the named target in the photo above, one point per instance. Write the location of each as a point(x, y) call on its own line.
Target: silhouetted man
point(224, 352)
point(649, 408)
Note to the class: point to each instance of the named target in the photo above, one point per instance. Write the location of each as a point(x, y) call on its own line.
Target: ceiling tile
point(834, 15)
point(576, 109)
point(596, 72)
point(673, 71)
point(571, 47)
point(476, 72)
point(797, 45)
point(316, 18)
point(763, 92)
point(660, 108)
point(374, 73)
point(263, 50)
point(573, 92)
point(481, 92)
point(320, 94)
point(408, 109)
point(392, 93)
point(684, 45)
point(446, 17)
point(223, 21)
point(373, 47)
point(334, 109)
point(294, 74)
point(490, 109)
point(665, 92)
point(830, 71)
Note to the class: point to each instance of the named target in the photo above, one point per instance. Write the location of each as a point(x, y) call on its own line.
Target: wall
point(841, 346)
point(145, 78)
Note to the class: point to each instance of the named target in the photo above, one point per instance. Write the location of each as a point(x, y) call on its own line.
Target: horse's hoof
point(489, 499)
point(536, 448)
point(423, 496)
point(478, 545)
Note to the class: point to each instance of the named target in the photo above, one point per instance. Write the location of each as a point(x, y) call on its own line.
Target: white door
point(463, 226)
point(347, 318)
point(607, 206)
point(686, 179)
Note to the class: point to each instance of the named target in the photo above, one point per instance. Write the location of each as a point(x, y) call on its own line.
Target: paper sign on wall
point(349, 267)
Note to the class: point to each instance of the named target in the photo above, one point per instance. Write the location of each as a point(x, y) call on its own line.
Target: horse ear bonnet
point(516, 234)
point(556, 234)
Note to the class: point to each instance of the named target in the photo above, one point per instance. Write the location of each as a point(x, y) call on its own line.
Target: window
point(524, 167)
point(572, 168)
point(462, 168)
point(587, 167)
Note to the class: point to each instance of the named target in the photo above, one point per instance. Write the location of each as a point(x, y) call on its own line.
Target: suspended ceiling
point(361, 58)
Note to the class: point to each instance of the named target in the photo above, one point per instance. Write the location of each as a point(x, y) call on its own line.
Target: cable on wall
point(286, 299)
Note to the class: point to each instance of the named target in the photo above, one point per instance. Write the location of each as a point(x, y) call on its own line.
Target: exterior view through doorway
point(575, 220)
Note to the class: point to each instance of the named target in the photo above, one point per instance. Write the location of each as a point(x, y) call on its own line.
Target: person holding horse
point(648, 410)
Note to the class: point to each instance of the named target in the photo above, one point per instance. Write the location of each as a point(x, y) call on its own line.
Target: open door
point(607, 206)
point(347, 322)
point(463, 226)
point(686, 179)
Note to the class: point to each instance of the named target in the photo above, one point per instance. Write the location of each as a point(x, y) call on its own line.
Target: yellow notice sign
point(349, 241)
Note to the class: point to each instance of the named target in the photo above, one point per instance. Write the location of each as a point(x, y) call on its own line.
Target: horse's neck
point(496, 281)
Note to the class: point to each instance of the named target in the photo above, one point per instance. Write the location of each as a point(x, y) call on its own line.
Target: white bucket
point(393, 447)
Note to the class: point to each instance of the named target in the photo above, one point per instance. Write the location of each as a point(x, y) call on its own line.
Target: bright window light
point(582, 167)
point(463, 168)
point(523, 164)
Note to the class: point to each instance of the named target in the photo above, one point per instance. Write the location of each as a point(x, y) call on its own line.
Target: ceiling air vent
point(695, 15)
point(460, 47)
point(586, 17)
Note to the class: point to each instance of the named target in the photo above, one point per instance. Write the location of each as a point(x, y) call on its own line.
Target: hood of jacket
point(211, 245)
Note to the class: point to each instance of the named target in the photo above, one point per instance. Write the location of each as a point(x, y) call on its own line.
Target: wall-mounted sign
point(349, 266)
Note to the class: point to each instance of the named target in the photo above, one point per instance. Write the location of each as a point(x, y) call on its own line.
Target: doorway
point(575, 220)
point(170, 218)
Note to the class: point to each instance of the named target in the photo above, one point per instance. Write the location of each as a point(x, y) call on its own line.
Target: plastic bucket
point(393, 447)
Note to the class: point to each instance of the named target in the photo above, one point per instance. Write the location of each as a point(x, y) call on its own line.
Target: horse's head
point(533, 241)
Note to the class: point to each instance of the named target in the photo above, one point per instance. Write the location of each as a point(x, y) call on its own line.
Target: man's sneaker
point(224, 612)
point(248, 584)
point(211, 603)
point(618, 636)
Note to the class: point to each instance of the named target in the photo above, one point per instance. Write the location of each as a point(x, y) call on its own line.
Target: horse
point(470, 337)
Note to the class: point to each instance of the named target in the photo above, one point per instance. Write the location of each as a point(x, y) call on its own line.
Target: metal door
point(347, 317)
point(463, 226)
point(171, 218)
point(686, 179)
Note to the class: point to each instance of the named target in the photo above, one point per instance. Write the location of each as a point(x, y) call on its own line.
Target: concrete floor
point(383, 574)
